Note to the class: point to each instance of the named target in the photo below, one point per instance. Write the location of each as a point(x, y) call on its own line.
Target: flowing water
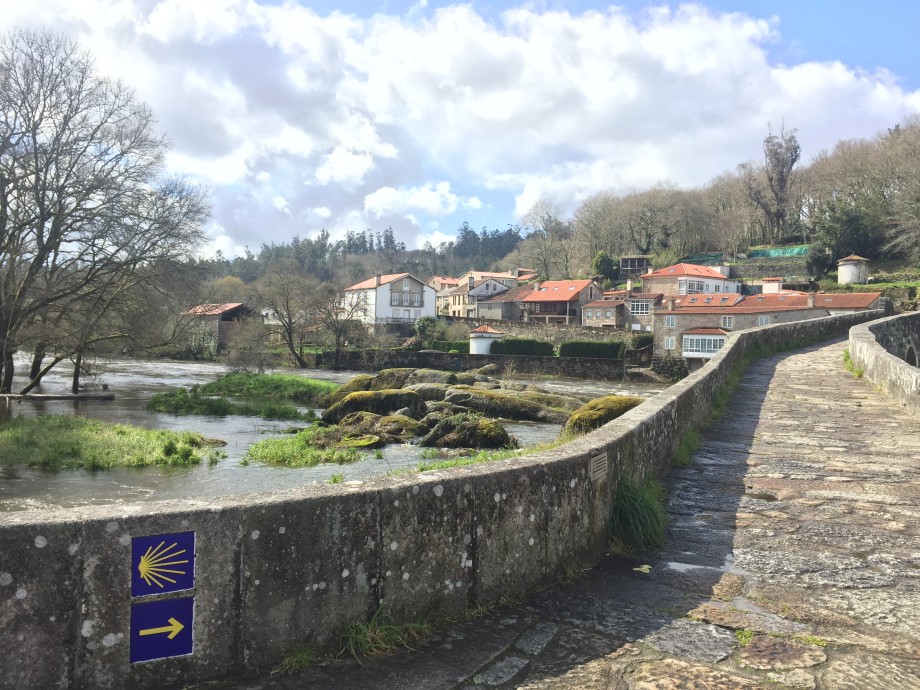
point(134, 382)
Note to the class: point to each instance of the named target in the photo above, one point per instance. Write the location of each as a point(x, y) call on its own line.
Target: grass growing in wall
point(689, 442)
point(850, 365)
point(380, 636)
point(638, 518)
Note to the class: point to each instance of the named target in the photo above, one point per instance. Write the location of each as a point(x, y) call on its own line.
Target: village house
point(635, 265)
point(462, 300)
point(215, 324)
point(442, 285)
point(694, 327)
point(505, 306)
point(509, 279)
point(393, 298)
point(689, 279)
point(604, 313)
point(558, 301)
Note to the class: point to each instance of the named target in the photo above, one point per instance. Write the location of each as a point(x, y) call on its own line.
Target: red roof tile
point(487, 329)
point(557, 291)
point(213, 309)
point(685, 270)
point(705, 331)
point(851, 258)
point(372, 282)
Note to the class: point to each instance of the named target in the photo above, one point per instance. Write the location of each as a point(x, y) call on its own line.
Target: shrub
point(450, 345)
point(522, 346)
point(611, 349)
point(641, 340)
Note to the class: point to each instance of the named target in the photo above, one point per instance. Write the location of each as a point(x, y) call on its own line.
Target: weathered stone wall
point(279, 571)
point(579, 367)
point(880, 350)
point(553, 333)
point(755, 269)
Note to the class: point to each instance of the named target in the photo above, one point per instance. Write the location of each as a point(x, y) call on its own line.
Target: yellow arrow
point(174, 628)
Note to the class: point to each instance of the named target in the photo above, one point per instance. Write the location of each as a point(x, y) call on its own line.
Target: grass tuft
point(638, 518)
point(850, 365)
point(744, 636)
point(287, 387)
point(689, 443)
point(297, 661)
point(379, 637)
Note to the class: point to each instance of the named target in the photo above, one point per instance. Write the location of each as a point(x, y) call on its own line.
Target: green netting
point(800, 250)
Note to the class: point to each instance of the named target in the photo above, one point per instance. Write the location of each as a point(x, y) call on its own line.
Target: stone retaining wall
point(880, 350)
point(279, 571)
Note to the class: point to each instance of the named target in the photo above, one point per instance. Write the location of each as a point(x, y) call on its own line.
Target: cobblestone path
point(792, 560)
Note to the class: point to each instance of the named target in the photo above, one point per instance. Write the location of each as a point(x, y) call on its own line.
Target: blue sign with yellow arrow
point(162, 563)
point(162, 629)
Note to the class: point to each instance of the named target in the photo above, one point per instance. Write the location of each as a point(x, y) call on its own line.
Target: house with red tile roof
point(558, 301)
point(688, 279)
point(392, 298)
point(505, 306)
point(463, 300)
point(694, 327)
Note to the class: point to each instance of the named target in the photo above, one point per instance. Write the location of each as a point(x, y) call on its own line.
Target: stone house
point(463, 300)
point(694, 327)
point(214, 325)
point(505, 306)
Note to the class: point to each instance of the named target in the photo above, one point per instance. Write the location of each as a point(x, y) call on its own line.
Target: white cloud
point(346, 118)
point(432, 199)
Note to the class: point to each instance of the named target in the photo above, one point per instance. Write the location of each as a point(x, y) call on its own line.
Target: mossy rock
point(399, 427)
point(468, 431)
point(380, 402)
point(366, 442)
point(504, 404)
point(487, 370)
point(429, 391)
point(361, 382)
point(389, 379)
point(593, 415)
point(359, 423)
point(429, 376)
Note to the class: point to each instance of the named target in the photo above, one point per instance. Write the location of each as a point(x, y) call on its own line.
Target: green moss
point(594, 414)
point(312, 446)
point(744, 637)
point(504, 403)
point(366, 442)
point(361, 382)
point(379, 402)
point(64, 442)
point(468, 431)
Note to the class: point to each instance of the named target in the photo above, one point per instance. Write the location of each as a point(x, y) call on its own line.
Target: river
point(134, 382)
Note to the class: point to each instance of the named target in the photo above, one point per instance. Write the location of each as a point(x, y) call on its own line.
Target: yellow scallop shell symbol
point(158, 564)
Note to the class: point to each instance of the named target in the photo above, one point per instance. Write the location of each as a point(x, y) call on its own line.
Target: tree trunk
point(7, 384)
point(38, 357)
point(77, 365)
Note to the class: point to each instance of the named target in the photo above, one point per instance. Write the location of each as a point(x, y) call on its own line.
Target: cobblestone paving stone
point(795, 529)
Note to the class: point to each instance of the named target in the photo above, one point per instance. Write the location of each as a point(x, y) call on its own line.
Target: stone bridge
point(792, 556)
point(792, 561)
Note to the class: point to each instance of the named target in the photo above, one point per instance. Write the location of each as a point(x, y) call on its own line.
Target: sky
point(422, 115)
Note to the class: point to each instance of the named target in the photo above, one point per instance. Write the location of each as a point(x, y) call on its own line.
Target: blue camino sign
point(162, 563)
point(162, 629)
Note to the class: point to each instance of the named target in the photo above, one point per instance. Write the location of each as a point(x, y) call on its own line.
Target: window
point(418, 313)
point(396, 313)
point(405, 284)
point(763, 320)
point(702, 345)
point(669, 322)
point(416, 299)
point(609, 314)
point(717, 288)
point(640, 307)
point(394, 298)
point(405, 298)
point(727, 321)
point(669, 343)
point(695, 287)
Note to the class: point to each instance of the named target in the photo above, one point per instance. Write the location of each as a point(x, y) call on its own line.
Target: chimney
point(536, 286)
point(376, 281)
point(471, 282)
point(772, 286)
point(810, 300)
point(629, 286)
point(670, 304)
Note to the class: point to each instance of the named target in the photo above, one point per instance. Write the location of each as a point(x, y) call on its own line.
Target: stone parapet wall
point(880, 348)
point(285, 570)
point(553, 333)
point(755, 269)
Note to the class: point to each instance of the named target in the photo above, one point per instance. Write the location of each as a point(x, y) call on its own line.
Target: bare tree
point(84, 205)
point(771, 185)
point(292, 298)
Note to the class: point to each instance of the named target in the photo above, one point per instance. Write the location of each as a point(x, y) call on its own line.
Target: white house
point(393, 298)
point(689, 279)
